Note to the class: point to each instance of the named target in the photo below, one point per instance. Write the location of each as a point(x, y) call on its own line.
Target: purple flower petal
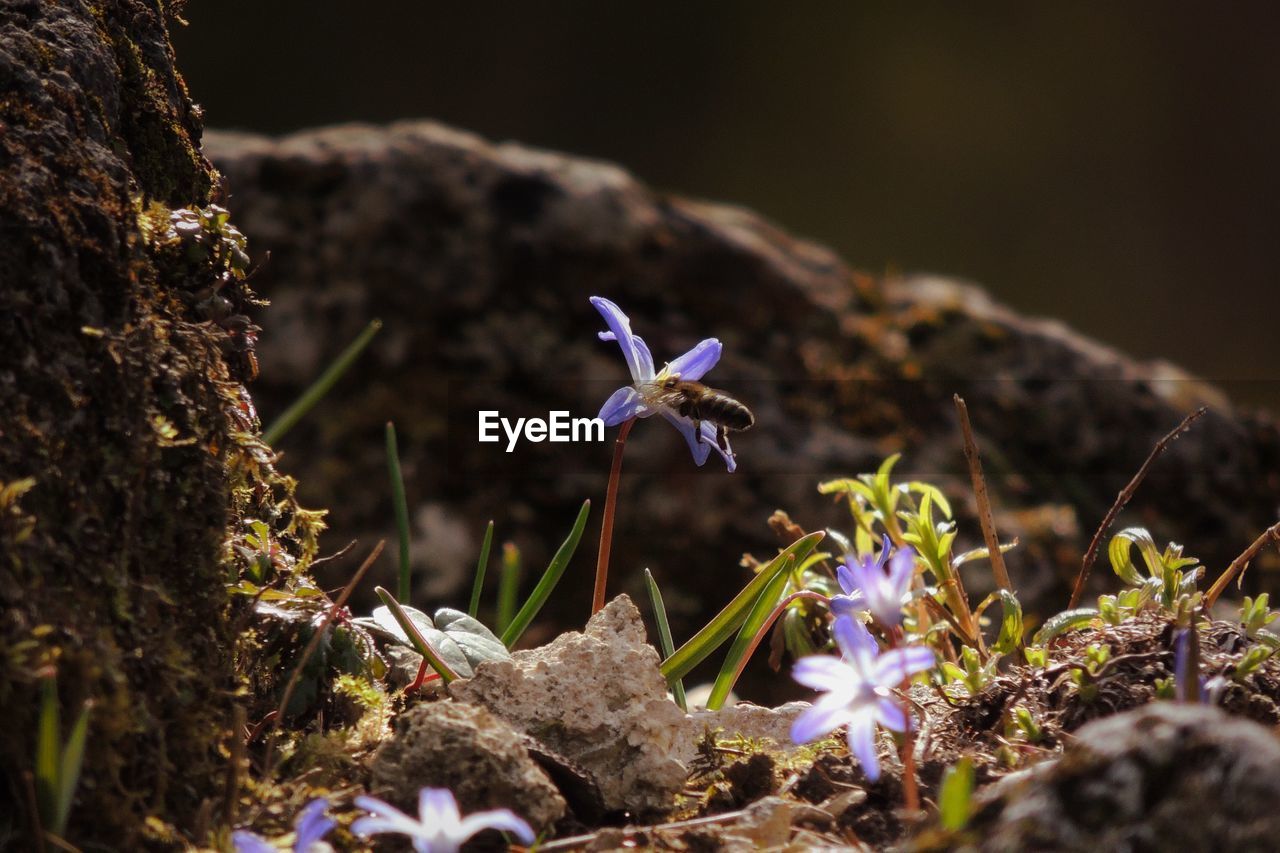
point(856, 644)
point(848, 605)
point(386, 818)
point(246, 842)
point(694, 364)
point(896, 665)
point(312, 824)
point(710, 436)
point(701, 450)
point(623, 405)
point(638, 359)
point(500, 819)
point(862, 742)
point(902, 569)
point(818, 721)
point(844, 574)
point(823, 672)
point(890, 714)
point(437, 809)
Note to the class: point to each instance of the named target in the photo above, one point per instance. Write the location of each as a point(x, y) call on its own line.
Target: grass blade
point(402, 510)
point(508, 586)
point(664, 636)
point(549, 580)
point(742, 644)
point(48, 751)
point(314, 394)
point(69, 773)
point(481, 565)
point(420, 644)
point(731, 617)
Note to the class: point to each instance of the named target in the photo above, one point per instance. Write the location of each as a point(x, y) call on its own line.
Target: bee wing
point(655, 395)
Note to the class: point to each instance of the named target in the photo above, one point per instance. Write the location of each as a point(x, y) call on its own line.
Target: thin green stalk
point(664, 636)
point(481, 565)
point(549, 579)
point(402, 511)
point(314, 394)
point(508, 586)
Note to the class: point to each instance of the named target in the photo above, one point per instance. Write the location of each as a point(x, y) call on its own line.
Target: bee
point(699, 403)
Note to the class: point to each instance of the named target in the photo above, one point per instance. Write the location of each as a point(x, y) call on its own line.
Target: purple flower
point(439, 827)
point(859, 690)
point(638, 399)
point(311, 824)
point(869, 584)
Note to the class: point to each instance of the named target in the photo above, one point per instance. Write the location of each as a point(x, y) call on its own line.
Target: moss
point(130, 416)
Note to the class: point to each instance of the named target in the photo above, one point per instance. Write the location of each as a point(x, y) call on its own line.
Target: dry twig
point(1239, 564)
point(1126, 494)
point(980, 493)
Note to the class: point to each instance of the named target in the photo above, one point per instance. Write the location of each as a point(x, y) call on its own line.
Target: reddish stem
point(768, 623)
point(606, 526)
point(910, 793)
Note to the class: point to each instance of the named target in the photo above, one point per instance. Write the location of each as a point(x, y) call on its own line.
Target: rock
point(469, 751)
point(766, 823)
point(1165, 774)
point(752, 721)
point(598, 699)
point(479, 258)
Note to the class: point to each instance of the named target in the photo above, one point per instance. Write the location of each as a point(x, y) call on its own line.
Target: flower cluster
point(879, 584)
point(639, 400)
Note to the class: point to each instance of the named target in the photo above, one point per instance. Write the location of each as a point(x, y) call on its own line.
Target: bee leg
point(723, 441)
point(697, 429)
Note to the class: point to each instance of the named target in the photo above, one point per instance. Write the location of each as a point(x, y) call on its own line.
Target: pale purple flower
point(439, 827)
point(636, 400)
point(881, 584)
point(859, 689)
point(311, 824)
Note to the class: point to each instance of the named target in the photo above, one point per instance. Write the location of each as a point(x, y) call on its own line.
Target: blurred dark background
point(1112, 165)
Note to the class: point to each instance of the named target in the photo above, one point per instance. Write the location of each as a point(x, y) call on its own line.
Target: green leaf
point(1010, 624)
point(933, 493)
point(508, 586)
point(1067, 620)
point(728, 620)
point(548, 582)
point(955, 796)
point(69, 772)
point(481, 565)
point(478, 643)
point(314, 394)
point(759, 613)
point(665, 643)
point(48, 750)
point(1119, 552)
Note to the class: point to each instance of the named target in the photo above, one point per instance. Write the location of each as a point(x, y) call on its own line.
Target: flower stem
point(606, 526)
point(910, 793)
